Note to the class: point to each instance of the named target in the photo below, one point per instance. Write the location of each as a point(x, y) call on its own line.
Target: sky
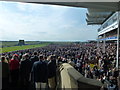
point(41, 22)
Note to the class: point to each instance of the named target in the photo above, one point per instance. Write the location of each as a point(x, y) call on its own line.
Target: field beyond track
point(15, 48)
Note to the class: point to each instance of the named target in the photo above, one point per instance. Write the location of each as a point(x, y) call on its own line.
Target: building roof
point(95, 16)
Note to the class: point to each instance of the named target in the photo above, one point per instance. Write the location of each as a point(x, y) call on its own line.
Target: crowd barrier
point(70, 78)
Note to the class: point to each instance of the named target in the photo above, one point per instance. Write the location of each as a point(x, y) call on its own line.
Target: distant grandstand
point(108, 30)
point(21, 42)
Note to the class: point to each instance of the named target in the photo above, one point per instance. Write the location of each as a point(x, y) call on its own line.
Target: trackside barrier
point(69, 78)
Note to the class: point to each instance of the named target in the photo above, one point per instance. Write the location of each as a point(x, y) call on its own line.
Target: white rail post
point(118, 41)
point(98, 43)
point(118, 45)
point(104, 44)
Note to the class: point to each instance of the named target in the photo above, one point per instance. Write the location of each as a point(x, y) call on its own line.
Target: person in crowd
point(5, 73)
point(78, 64)
point(40, 73)
point(14, 70)
point(25, 70)
point(51, 72)
point(34, 58)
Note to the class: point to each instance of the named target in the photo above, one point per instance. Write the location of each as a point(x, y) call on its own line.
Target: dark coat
point(25, 68)
point(40, 72)
point(5, 70)
point(51, 68)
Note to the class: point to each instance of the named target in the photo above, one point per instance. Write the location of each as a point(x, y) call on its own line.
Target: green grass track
point(15, 48)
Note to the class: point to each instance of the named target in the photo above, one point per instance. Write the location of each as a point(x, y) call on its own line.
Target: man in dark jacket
point(25, 69)
point(34, 58)
point(51, 72)
point(40, 73)
point(5, 73)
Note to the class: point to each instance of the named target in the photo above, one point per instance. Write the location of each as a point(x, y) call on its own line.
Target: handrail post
point(118, 39)
point(118, 45)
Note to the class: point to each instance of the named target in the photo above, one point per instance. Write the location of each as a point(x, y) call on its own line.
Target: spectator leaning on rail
point(25, 69)
point(40, 73)
point(5, 72)
point(14, 69)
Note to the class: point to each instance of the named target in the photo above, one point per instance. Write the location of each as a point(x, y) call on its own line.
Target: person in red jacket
point(14, 69)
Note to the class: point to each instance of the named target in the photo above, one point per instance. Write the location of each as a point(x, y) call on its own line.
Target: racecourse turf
point(15, 48)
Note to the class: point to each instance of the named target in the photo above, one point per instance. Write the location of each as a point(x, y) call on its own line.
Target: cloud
point(43, 22)
point(29, 7)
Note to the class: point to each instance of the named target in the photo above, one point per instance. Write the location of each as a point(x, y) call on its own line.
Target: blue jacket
point(40, 72)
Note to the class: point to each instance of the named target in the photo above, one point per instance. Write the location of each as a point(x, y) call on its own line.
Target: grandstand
point(109, 32)
point(109, 29)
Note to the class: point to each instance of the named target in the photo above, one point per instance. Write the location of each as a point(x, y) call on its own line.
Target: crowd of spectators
point(38, 65)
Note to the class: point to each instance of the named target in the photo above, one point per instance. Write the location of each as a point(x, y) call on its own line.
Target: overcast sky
point(44, 22)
